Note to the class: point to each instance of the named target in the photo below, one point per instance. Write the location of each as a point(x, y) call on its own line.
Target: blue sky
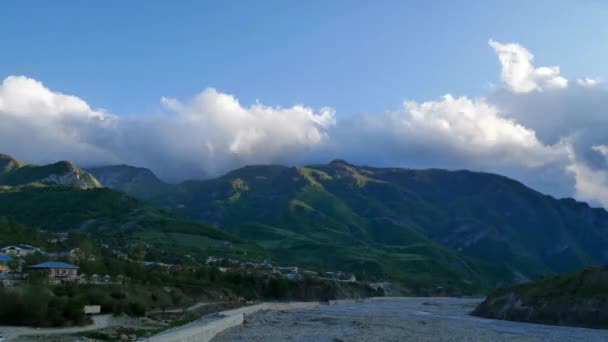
point(350, 55)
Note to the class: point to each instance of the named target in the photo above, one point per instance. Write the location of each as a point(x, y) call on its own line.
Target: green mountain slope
point(111, 216)
point(14, 172)
point(579, 299)
point(388, 219)
point(137, 181)
point(8, 163)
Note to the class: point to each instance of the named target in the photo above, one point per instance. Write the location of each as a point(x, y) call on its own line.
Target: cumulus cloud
point(588, 82)
point(591, 184)
point(538, 127)
point(465, 132)
point(201, 137)
point(41, 125)
point(601, 149)
point(519, 72)
point(22, 96)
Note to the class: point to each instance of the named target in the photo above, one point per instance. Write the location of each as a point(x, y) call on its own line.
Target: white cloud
point(24, 96)
point(591, 184)
point(601, 149)
point(205, 136)
point(476, 129)
point(42, 126)
point(519, 73)
point(588, 82)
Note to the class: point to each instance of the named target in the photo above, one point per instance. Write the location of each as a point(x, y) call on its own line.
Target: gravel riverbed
point(403, 319)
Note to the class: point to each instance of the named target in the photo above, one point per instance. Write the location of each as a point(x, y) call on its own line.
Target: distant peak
point(8, 163)
point(5, 158)
point(66, 165)
point(340, 162)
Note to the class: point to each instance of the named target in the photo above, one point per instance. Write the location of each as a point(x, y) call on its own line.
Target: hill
point(121, 220)
point(576, 299)
point(136, 181)
point(8, 163)
point(392, 222)
point(14, 173)
point(62, 197)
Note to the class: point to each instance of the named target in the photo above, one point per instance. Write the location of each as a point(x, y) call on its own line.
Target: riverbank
point(570, 299)
point(207, 327)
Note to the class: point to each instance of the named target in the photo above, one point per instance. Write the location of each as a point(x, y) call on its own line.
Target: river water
point(403, 319)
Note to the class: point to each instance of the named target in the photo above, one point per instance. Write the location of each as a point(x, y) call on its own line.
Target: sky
point(192, 89)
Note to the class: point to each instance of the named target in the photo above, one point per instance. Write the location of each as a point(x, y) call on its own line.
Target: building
point(57, 272)
point(19, 251)
point(5, 259)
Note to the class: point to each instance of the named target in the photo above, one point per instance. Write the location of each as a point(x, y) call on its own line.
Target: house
point(294, 276)
point(57, 272)
point(11, 250)
point(19, 251)
point(5, 259)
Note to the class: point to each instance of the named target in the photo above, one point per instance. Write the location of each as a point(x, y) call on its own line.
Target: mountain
point(576, 299)
point(385, 220)
point(15, 173)
point(8, 163)
point(115, 217)
point(137, 181)
point(62, 197)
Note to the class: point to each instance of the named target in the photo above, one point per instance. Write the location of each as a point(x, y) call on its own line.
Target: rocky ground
point(407, 319)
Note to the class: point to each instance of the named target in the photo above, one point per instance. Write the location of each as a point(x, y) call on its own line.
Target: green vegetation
point(459, 232)
point(15, 173)
point(578, 298)
point(121, 221)
point(138, 182)
point(8, 163)
point(138, 288)
point(425, 228)
point(37, 306)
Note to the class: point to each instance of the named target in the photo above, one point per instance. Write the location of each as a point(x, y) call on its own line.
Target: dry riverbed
point(404, 319)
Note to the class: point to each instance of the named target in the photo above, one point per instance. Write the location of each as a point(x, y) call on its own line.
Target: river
point(402, 319)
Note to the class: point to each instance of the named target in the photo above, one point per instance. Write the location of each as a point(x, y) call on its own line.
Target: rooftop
point(54, 264)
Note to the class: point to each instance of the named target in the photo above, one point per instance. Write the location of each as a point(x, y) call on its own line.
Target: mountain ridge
point(452, 229)
point(477, 214)
point(16, 173)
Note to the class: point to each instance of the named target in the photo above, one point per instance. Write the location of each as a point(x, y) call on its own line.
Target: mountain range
point(62, 197)
point(427, 229)
point(481, 216)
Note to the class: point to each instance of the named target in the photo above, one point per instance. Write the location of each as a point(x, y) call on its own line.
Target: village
point(14, 274)
point(61, 268)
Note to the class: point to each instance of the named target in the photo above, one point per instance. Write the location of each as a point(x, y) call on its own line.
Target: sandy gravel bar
point(396, 319)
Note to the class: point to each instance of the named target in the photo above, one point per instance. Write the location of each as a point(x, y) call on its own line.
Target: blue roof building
point(54, 264)
point(57, 272)
point(5, 258)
